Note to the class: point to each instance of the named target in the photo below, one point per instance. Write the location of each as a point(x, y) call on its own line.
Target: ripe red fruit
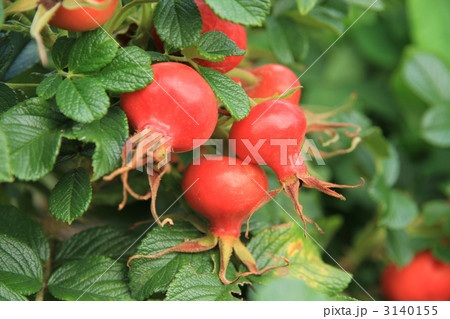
point(271, 79)
point(424, 279)
point(171, 114)
point(273, 134)
point(236, 32)
point(226, 191)
point(83, 19)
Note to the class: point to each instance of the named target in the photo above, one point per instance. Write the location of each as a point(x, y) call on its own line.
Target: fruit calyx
point(292, 184)
point(147, 149)
point(227, 245)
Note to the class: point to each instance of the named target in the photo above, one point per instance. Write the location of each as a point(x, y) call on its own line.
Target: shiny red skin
point(424, 279)
point(169, 105)
point(273, 79)
point(236, 32)
point(275, 120)
point(83, 19)
point(224, 193)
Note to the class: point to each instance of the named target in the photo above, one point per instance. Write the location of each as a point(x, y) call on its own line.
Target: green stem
point(47, 272)
point(21, 85)
point(123, 13)
point(145, 23)
point(242, 74)
point(179, 58)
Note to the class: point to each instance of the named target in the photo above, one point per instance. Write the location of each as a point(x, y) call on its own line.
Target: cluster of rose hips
point(178, 111)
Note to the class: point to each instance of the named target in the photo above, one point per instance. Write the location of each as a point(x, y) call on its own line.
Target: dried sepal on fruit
point(275, 130)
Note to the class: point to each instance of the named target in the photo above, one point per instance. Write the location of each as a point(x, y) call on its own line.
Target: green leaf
point(428, 77)
point(6, 53)
point(436, 125)
point(376, 5)
point(373, 138)
point(20, 226)
point(245, 12)
point(229, 92)
point(178, 23)
point(2, 15)
point(148, 276)
point(26, 58)
point(284, 289)
point(391, 166)
point(379, 191)
point(429, 25)
point(189, 285)
point(33, 130)
point(61, 50)
point(47, 88)
point(216, 45)
point(435, 211)
point(109, 134)
point(90, 279)
point(304, 6)
point(158, 57)
point(399, 247)
point(5, 166)
point(108, 241)
point(323, 17)
point(7, 294)
point(129, 71)
point(71, 196)
point(8, 97)
point(83, 100)
point(20, 269)
point(442, 252)
point(400, 212)
point(93, 51)
point(279, 41)
point(287, 240)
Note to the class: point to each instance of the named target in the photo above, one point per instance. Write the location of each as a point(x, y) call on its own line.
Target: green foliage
point(61, 51)
point(109, 135)
point(178, 23)
point(62, 130)
point(93, 278)
point(71, 196)
point(229, 92)
point(105, 241)
point(5, 166)
point(20, 269)
point(190, 285)
point(245, 12)
point(304, 256)
point(8, 97)
point(128, 71)
point(7, 294)
point(48, 87)
point(20, 226)
point(148, 276)
point(215, 46)
point(33, 131)
point(91, 52)
point(83, 100)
